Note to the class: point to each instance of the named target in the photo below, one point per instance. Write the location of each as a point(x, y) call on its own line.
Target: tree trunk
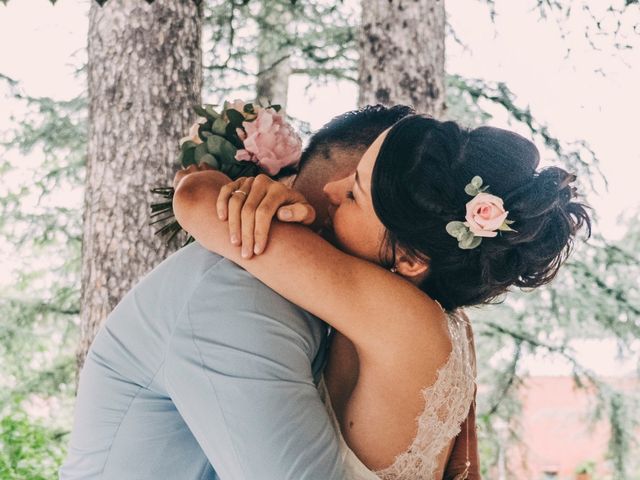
point(144, 75)
point(273, 78)
point(402, 54)
point(274, 67)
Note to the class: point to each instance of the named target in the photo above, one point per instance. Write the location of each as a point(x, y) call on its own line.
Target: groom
point(201, 365)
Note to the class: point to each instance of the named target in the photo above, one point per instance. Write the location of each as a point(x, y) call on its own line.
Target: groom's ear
point(411, 266)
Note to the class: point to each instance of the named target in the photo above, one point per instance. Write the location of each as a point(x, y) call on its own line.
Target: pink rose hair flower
point(270, 142)
point(484, 218)
point(485, 214)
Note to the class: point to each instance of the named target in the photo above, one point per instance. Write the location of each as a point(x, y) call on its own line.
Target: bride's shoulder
point(422, 340)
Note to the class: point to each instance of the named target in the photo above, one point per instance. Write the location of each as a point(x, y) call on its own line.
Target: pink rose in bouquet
point(270, 142)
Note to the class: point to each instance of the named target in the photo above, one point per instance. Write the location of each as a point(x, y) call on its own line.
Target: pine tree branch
point(511, 381)
point(500, 94)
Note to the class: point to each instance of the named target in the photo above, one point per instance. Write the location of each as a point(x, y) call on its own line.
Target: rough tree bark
point(402, 54)
point(273, 78)
point(144, 74)
point(274, 67)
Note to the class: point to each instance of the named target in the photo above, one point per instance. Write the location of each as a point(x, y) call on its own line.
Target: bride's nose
point(335, 191)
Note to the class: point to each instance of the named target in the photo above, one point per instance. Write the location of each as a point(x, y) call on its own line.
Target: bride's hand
point(250, 204)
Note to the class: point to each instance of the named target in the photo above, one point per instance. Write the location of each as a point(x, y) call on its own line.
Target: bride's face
point(356, 226)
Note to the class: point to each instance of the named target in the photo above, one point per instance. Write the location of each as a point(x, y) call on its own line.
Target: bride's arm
point(365, 302)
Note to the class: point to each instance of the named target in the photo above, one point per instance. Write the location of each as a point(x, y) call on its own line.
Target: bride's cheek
point(340, 229)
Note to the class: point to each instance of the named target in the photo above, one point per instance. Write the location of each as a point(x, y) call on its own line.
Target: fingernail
point(234, 239)
point(257, 249)
point(245, 252)
point(285, 213)
point(220, 215)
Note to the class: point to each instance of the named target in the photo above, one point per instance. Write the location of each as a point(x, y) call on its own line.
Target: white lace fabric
point(447, 403)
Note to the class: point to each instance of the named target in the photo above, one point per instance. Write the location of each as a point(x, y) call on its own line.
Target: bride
point(434, 218)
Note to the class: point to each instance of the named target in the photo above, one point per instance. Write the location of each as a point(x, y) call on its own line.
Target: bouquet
point(243, 139)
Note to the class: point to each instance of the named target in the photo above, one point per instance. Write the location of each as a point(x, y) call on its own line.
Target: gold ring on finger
point(240, 191)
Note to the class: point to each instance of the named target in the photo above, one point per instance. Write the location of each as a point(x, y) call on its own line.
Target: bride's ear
point(411, 266)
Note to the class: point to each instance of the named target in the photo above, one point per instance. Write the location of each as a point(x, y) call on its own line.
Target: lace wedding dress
point(447, 405)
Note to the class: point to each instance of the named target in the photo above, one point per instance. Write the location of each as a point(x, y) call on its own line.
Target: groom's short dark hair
point(354, 129)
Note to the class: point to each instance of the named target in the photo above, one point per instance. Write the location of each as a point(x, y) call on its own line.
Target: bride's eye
point(350, 195)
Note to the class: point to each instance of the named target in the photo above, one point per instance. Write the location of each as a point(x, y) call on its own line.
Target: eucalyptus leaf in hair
point(475, 186)
point(466, 239)
point(456, 229)
point(469, 241)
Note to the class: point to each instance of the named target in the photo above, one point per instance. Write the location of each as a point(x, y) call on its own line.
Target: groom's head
point(334, 151)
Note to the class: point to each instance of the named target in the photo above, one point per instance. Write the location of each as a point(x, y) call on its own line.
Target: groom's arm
point(239, 373)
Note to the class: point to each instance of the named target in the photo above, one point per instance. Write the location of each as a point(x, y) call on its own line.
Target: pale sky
point(41, 45)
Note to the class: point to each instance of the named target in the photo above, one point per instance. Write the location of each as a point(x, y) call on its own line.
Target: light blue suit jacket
point(202, 365)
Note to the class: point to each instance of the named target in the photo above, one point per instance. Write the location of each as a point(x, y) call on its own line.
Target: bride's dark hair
point(418, 187)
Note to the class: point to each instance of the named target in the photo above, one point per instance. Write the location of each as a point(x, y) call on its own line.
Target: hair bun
point(547, 220)
point(549, 189)
point(556, 182)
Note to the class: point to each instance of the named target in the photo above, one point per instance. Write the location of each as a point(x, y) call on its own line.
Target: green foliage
point(28, 449)
point(606, 24)
point(40, 234)
point(595, 296)
point(587, 467)
point(317, 38)
point(102, 2)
